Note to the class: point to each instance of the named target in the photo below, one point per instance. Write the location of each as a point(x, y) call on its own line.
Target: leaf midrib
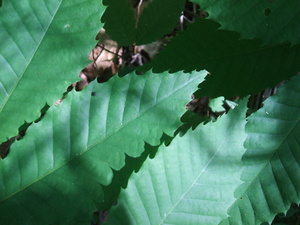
point(101, 140)
point(196, 179)
point(264, 165)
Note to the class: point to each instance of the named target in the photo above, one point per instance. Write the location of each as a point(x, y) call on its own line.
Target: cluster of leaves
point(121, 133)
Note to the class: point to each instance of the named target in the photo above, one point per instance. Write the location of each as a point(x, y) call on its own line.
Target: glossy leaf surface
point(54, 174)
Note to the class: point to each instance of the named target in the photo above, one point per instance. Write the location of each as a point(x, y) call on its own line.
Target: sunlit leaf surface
point(54, 174)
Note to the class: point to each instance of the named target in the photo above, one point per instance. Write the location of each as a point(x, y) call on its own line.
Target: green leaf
point(55, 173)
point(271, 21)
point(157, 18)
point(231, 104)
point(272, 159)
point(237, 67)
point(191, 181)
point(191, 120)
point(44, 45)
point(216, 104)
point(119, 21)
point(120, 177)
